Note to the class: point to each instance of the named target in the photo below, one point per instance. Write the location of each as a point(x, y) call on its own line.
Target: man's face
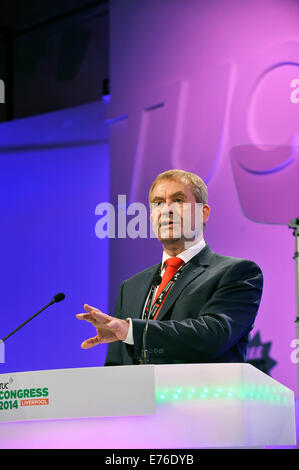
point(175, 214)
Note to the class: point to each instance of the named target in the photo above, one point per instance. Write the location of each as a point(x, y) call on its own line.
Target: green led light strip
point(264, 394)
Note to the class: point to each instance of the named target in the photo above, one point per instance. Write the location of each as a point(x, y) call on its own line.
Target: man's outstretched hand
point(108, 328)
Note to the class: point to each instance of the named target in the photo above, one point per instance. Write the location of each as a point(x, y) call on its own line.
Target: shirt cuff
point(129, 339)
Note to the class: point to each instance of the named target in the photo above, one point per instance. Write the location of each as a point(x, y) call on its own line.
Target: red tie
point(172, 265)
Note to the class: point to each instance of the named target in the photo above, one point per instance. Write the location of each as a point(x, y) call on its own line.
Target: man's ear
point(205, 213)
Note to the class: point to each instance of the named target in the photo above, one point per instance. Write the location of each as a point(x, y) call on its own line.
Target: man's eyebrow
point(178, 193)
point(157, 198)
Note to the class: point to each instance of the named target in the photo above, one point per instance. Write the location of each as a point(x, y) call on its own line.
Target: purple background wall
point(54, 170)
point(190, 81)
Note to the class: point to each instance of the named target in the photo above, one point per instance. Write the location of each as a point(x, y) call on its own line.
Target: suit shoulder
point(233, 262)
point(143, 274)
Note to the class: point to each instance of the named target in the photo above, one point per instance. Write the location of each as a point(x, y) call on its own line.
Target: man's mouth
point(167, 223)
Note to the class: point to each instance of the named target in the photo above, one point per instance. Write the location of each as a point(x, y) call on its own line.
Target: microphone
point(57, 298)
point(156, 282)
point(157, 279)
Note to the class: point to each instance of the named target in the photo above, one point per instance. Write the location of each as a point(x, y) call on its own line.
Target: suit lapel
point(142, 291)
point(195, 267)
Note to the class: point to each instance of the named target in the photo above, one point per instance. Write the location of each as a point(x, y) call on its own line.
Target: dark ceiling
point(18, 16)
point(53, 54)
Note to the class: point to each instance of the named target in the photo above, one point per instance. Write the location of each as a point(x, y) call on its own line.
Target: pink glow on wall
point(195, 80)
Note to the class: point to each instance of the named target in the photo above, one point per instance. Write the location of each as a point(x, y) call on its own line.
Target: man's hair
point(199, 187)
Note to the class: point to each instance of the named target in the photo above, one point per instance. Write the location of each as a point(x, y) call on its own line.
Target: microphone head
point(157, 279)
point(59, 297)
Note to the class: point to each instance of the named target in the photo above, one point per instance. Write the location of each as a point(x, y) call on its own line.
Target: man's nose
point(167, 207)
point(167, 210)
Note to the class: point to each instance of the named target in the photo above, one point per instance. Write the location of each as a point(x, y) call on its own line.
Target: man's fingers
point(89, 343)
point(102, 323)
point(89, 308)
point(94, 316)
point(81, 316)
point(86, 316)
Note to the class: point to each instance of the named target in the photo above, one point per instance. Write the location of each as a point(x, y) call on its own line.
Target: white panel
point(86, 392)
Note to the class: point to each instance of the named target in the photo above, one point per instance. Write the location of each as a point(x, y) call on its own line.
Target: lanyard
point(153, 310)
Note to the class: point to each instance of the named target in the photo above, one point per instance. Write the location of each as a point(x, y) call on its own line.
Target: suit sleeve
point(227, 316)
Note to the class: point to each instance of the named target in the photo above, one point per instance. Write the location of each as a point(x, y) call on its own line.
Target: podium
point(147, 406)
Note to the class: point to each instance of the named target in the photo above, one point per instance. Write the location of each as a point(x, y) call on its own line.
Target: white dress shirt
point(185, 255)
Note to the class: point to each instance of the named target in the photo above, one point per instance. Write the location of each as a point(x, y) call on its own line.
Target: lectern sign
point(13, 398)
point(46, 394)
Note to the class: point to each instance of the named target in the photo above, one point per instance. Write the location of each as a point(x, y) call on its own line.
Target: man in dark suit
point(206, 304)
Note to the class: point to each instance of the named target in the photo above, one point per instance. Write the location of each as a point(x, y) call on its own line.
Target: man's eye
point(179, 200)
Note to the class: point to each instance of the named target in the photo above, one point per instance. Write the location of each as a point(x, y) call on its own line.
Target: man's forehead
point(171, 186)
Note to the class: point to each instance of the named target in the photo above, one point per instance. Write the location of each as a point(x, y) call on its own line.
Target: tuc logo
point(4, 385)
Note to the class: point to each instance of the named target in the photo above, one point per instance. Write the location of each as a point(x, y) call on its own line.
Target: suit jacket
point(206, 317)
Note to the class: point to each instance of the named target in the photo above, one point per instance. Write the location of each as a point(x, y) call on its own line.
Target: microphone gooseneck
point(156, 282)
point(57, 298)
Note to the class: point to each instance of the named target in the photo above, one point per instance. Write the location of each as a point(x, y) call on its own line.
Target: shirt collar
point(187, 254)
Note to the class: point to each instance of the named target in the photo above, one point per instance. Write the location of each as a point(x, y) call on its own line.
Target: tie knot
point(174, 262)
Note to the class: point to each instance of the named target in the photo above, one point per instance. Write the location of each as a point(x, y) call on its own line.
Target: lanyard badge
point(156, 306)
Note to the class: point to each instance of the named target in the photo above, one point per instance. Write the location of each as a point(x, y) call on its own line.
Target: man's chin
point(169, 238)
point(175, 239)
